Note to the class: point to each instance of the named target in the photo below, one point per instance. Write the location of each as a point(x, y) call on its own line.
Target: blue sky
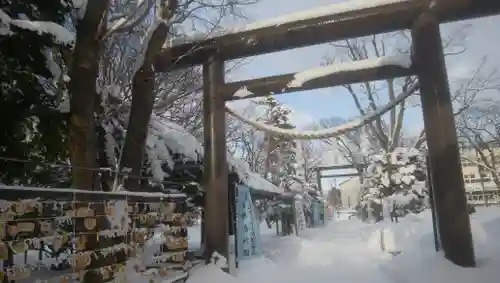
point(312, 105)
point(482, 39)
point(307, 105)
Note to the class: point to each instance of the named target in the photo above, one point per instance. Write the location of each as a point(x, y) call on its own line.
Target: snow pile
point(382, 240)
point(257, 270)
point(212, 270)
point(349, 251)
point(210, 273)
point(415, 239)
point(386, 236)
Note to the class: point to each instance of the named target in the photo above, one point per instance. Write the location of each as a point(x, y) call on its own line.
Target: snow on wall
point(181, 141)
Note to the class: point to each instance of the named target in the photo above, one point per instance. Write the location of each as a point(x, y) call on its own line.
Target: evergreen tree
point(393, 176)
point(281, 165)
point(31, 126)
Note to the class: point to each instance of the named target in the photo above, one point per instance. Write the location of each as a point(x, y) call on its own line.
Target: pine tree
point(281, 165)
point(281, 155)
point(31, 126)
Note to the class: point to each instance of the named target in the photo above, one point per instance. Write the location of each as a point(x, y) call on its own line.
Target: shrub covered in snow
point(396, 178)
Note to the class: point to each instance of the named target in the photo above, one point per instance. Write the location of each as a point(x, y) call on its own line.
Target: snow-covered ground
point(351, 251)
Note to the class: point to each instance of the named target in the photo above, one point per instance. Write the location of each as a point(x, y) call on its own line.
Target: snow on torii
point(302, 77)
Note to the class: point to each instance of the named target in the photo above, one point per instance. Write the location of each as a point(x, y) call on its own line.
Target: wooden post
point(433, 206)
point(446, 171)
point(277, 224)
point(361, 172)
point(233, 218)
point(318, 179)
point(215, 160)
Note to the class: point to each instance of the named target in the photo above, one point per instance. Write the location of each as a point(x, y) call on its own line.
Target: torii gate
point(320, 169)
point(421, 16)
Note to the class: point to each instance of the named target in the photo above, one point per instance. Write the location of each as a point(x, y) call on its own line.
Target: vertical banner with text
point(247, 225)
point(315, 214)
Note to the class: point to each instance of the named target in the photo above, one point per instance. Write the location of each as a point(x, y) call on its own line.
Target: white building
point(349, 192)
point(478, 180)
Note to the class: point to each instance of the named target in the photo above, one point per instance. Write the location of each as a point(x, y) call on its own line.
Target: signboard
point(300, 217)
point(247, 225)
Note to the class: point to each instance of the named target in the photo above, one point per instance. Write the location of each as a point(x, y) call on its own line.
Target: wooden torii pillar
point(215, 159)
point(449, 196)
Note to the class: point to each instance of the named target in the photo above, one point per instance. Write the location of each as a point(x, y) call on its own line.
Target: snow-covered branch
point(126, 23)
point(57, 32)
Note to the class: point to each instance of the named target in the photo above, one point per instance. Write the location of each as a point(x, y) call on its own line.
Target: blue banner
point(315, 214)
point(247, 225)
point(318, 211)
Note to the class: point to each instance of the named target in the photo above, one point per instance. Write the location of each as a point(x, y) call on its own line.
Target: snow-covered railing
point(67, 193)
point(62, 235)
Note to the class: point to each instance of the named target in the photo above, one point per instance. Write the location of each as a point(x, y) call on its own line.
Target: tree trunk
point(137, 129)
point(82, 88)
point(140, 112)
point(84, 70)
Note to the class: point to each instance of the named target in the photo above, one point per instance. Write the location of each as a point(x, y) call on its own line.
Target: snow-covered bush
point(395, 178)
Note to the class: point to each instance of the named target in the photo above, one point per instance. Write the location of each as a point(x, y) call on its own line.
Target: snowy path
point(349, 252)
point(337, 252)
